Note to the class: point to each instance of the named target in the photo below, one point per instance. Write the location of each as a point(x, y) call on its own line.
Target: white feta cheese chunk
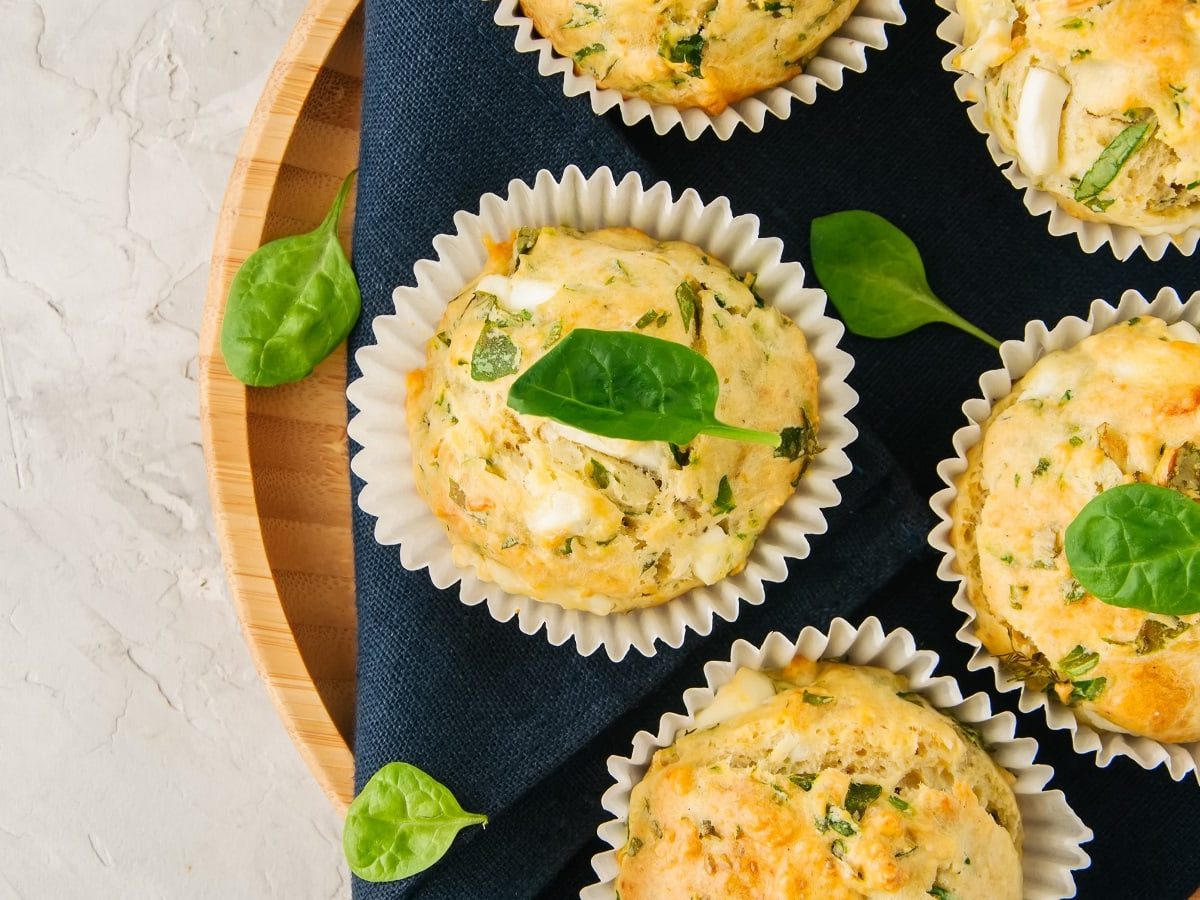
point(987, 35)
point(557, 514)
point(517, 293)
point(993, 47)
point(1039, 121)
point(712, 554)
point(499, 285)
point(530, 293)
point(647, 454)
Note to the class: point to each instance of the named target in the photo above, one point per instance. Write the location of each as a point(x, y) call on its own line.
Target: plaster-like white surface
point(139, 754)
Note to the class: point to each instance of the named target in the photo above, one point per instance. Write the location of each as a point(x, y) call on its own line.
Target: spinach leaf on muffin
point(1138, 545)
point(620, 384)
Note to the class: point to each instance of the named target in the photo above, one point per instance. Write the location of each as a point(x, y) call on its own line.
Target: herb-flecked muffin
point(593, 523)
point(825, 781)
point(1121, 406)
point(1100, 102)
point(689, 53)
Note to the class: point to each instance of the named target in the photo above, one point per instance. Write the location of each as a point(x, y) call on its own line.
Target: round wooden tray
point(277, 458)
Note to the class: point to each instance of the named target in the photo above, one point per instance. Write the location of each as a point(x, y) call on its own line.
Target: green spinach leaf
point(290, 305)
point(798, 440)
point(1154, 635)
point(874, 276)
point(1088, 689)
point(401, 823)
point(495, 355)
point(689, 304)
point(585, 52)
point(1138, 546)
point(647, 318)
point(1078, 662)
point(1111, 160)
point(804, 780)
point(688, 50)
point(841, 826)
point(860, 796)
point(622, 384)
point(724, 501)
point(599, 475)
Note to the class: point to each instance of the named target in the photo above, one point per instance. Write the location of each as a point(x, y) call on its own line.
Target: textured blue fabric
point(520, 729)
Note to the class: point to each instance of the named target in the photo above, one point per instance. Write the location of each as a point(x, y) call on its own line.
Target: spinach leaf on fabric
point(401, 823)
point(875, 278)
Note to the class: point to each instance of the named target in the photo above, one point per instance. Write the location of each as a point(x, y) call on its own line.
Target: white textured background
point(139, 754)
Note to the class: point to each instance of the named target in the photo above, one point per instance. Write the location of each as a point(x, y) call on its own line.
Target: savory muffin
point(1099, 101)
point(826, 781)
point(689, 53)
point(584, 521)
point(1121, 406)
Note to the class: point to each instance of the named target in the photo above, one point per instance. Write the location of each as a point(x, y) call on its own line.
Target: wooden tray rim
point(227, 452)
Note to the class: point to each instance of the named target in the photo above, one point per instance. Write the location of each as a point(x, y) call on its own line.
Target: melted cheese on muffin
point(823, 780)
point(1121, 406)
point(1065, 79)
point(589, 522)
point(689, 52)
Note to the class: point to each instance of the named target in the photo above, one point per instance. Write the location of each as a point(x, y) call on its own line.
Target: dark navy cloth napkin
point(521, 730)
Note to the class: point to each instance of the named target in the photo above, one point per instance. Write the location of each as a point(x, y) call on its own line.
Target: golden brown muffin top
point(822, 780)
point(587, 522)
point(689, 53)
point(1065, 78)
point(1121, 406)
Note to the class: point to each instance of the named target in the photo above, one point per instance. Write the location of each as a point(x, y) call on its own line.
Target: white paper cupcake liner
point(1018, 357)
point(1121, 239)
point(1053, 832)
point(385, 463)
point(844, 49)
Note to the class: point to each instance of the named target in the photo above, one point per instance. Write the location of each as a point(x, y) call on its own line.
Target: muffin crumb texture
point(1099, 102)
point(592, 523)
point(822, 780)
point(689, 53)
point(1122, 406)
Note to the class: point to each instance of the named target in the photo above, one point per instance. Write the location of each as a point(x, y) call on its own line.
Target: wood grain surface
point(277, 457)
